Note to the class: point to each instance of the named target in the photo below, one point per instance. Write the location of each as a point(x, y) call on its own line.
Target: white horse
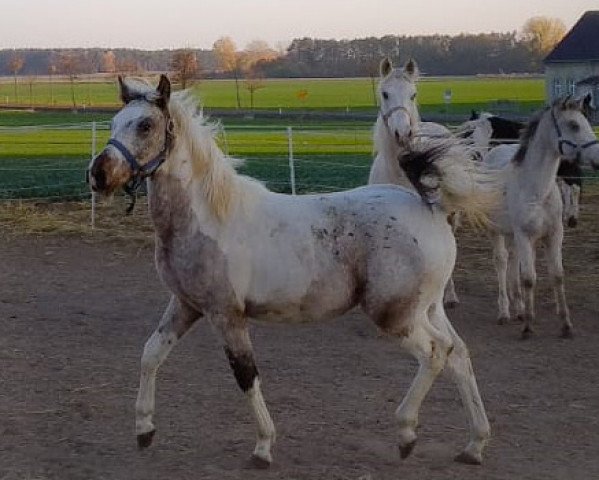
point(532, 209)
point(230, 250)
point(397, 127)
point(569, 175)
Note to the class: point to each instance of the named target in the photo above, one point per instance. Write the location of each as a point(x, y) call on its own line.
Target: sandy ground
point(76, 310)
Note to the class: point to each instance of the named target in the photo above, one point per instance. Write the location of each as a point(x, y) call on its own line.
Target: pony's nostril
point(397, 137)
point(410, 133)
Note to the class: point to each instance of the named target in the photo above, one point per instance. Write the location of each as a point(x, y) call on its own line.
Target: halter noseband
point(140, 172)
point(387, 115)
point(564, 141)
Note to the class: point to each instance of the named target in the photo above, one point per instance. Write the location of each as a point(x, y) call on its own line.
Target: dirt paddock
point(75, 310)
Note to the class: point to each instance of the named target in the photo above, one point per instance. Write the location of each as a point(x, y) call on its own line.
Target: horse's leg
point(450, 297)
point(238, 348)
point(430, 346)
point(176, 320)
point(500, 255)
point(526, 256)
point(460, 367)
point(513, 282)
point(553, 244)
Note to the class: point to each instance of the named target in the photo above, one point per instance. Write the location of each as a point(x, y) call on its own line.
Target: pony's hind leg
point(555, 268)
point(514, 288)
point(500, 255)
point(450, 297)
point(460, 367)
point(238, 348)
point(176, 320)
point(430, 347)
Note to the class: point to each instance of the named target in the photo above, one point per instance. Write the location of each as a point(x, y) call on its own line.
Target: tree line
point(464, 54)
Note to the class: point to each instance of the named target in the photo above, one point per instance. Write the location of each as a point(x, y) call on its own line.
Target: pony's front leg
point(527, 257)
point(238, 348)
point(555, 268)
point(176, 320)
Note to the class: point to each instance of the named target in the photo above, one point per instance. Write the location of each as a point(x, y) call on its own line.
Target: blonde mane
point(210, 167)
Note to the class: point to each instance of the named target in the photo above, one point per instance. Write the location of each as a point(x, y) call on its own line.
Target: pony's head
point(397, 99)
point(574, 137)
point(141, 134)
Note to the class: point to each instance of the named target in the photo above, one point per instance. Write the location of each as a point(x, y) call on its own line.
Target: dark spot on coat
point(243, 367)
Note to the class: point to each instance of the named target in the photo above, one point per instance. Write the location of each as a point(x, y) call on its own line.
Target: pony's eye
point(145, 125)
point(385, 95)
point(413, 97)
point(572, 125)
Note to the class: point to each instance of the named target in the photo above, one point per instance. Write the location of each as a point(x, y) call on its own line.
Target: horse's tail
point(446, 173)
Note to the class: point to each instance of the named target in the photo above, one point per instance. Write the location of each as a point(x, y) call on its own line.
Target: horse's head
point(574, 136)
point(141, 134)
point(397, 98)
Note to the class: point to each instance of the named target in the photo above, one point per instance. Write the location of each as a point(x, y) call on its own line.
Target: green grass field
point(50, 161)
point(323, 94)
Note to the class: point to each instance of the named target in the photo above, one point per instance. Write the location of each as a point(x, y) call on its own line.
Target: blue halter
point(140, 172)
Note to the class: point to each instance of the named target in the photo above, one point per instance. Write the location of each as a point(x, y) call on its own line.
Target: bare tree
point(253, 82)
point(30, 81)
point(15, 64)
point(69, 65)
point(543, 33)
point(185, 66)
point(51, 73)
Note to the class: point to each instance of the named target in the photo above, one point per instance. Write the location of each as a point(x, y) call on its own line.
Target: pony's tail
point(445, 173)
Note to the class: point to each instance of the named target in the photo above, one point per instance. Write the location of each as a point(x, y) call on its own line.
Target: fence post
point(93, 154)
point(291, 162)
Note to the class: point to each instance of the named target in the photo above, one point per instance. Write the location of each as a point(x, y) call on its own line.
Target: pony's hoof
point(451, 304)
point(260, 462)
point(144, 440)
point(502, 320)
point(567, 332)
point(468, 458)
point(527, 333)
point(405, 450)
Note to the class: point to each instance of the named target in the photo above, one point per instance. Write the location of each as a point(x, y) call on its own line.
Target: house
point(573, 65)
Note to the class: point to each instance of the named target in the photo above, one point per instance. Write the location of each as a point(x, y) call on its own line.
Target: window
point(570, 86)
point(557, 87)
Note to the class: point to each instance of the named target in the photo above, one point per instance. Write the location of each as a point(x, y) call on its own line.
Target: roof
point(592, 81)
point(581, 43)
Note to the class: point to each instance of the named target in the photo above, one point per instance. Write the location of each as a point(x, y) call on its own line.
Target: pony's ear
point(164, 91)
point(125, 91)
point(411, 68)
point(386, 67)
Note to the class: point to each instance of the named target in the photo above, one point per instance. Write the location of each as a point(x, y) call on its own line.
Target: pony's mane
point(527, 134)
point(210, 167)
point(529, 131)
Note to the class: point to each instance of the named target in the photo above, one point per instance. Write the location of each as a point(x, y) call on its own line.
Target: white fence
point(49, 161)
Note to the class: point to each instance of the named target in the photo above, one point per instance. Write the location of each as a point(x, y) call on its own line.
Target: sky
point(156, 24)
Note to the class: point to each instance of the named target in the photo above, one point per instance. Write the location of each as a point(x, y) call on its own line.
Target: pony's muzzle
point(107, 173)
